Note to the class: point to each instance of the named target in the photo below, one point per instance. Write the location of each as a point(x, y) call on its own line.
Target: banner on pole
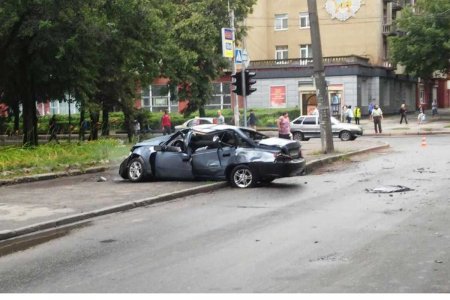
point(227, 42)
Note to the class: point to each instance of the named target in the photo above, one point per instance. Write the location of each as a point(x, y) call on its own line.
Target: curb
point(310, 166)
point(13, 238)
point(9, 234)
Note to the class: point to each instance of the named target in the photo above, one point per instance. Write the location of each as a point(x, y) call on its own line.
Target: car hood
point(274, 141)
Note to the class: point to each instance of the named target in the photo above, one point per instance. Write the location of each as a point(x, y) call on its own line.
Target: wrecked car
point(242, 156)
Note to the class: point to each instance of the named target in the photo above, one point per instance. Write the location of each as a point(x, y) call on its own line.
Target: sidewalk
point(44, 208)
point(390, 124)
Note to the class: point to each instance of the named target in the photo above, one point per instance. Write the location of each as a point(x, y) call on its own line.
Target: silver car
point(305, 127)
point(242, 156)
point(196, 121)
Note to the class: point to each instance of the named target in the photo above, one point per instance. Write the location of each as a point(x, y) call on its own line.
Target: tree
point(195, 53)
point(425, 46)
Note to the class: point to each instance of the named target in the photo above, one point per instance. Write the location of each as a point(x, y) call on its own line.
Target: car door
point(212, 161)
point(310, 126)
point(173, 165)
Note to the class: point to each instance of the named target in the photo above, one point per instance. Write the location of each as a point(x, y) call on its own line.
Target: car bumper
point(290, 168)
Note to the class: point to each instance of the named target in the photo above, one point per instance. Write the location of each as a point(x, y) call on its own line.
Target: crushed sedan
point(242, 156)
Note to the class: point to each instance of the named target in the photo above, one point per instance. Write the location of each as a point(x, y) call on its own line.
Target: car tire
point(298, 136)
point(345, 135)
point(123, 170)
point(135, 170)
point(242, 177)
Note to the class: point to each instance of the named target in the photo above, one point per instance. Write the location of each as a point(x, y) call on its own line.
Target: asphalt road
point(319, 233)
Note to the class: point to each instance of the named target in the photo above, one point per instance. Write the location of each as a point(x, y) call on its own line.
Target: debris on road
point(389, 189)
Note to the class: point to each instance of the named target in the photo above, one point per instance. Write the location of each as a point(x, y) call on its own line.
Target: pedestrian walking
point(370, 108)
point(53, 129)
point(284, 126)
point(377, 116)
point(434, 110)
point(421, 117)
point(166, 124)
point(348, 113)
point(220, 118)
point(403, 112)
point(252, 119)
point(137, 127)
point(357, 114)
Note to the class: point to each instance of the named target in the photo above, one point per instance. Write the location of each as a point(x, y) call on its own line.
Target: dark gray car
point(305, 127)
point(242, 156)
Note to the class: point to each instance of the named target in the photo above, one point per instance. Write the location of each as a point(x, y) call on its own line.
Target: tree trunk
point(82, 123)
point(95, 117)
point(105, 120)
point(30, 136)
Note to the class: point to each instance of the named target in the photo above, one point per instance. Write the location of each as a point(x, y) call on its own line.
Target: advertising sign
point(278, 96)
point(227, 42)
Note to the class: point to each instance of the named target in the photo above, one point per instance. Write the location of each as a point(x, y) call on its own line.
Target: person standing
point(370, 108)
point(220, 118)
point(403, 112)
point(284, 126)
point(377, 116)
point(357, 114)
point(252, 119)
point(434, 110)
point(53, 128)
point(166, 123)
point(349, 114)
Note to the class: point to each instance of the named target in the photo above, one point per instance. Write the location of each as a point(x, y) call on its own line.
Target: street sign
point(238, 56)
point(245, 58)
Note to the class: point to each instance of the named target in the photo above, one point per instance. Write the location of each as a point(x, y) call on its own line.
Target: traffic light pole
point(244, 92)
point(326, 136)
point(233, 95)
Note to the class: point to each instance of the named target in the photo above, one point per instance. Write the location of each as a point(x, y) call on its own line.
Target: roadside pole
point(234, 97)
point(326, 136)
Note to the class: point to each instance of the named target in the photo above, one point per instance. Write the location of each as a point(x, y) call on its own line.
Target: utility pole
point(233, 95)
point(326, 136)
point(244, 88)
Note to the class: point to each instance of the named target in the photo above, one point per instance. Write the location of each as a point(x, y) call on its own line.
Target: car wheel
point(242, 177)
point(346, 135)
point(123, 169)
point(136, 170)
point(298, 136)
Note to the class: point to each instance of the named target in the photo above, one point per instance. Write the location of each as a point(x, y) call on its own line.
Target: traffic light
point(249, 82)
point(237, 83)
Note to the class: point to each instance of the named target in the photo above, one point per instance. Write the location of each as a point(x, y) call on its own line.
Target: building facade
point(354, 47)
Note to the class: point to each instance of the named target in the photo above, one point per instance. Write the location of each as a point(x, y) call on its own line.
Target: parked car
point(196, 121)
point(305, 127)
point(242, 156)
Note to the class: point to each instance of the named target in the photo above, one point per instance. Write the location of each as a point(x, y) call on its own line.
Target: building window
point(305, 51)
point(155, 98)
point(221, 97)
point(281, 52)
point(281, 22)
point(304, 20)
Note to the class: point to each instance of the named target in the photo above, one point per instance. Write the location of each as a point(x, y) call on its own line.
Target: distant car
point(305, 127)
point(196, 121)
point(242, 156)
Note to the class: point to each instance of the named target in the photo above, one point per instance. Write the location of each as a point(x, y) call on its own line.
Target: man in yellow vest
point(357, 114)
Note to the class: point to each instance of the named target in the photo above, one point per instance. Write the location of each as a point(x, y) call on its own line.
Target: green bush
point(266, 117)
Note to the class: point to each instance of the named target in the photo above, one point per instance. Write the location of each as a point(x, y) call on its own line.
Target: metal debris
point(389, 189)
point(101, 179)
